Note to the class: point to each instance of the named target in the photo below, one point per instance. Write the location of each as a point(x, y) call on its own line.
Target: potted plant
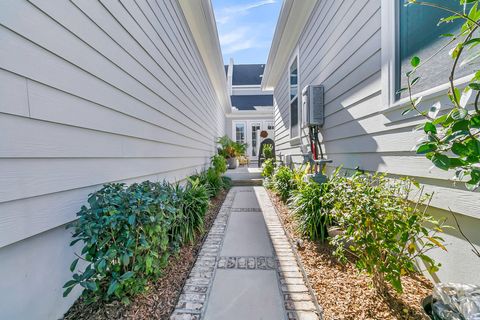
point(231, 150)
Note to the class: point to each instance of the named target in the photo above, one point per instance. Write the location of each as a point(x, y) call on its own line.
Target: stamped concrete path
point(246, 269)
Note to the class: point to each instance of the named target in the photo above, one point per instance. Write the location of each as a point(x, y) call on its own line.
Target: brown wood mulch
point(342, 291)
point(160, 300)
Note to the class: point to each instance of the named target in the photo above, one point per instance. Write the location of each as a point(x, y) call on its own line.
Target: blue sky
point(246, 28)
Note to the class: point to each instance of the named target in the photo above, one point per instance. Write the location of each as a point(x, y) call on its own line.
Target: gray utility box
point(312, 106)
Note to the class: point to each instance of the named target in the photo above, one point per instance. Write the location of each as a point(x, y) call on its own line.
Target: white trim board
point(291, 22)
point(201, 20)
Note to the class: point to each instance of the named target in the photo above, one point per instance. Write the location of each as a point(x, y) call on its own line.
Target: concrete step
point(247, 182)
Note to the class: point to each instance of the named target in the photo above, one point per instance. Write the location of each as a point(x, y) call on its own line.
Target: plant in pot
point(240, 151)
point(229, 150)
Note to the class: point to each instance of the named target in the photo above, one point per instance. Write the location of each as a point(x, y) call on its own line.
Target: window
point(270, 126)
point(294, 104)
point(240, 132)
point(413, 31)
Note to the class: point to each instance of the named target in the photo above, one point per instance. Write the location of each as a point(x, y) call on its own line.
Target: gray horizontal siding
point(94, 92)
point(340, 48)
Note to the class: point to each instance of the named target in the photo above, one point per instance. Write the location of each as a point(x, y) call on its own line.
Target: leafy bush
point(227, 182)
point(268, 168)
point(268, 151)
point(211, 180)
point(219, 164)
point(283, 182)
point(126, 235)
point(383, 229)
point(452, 139)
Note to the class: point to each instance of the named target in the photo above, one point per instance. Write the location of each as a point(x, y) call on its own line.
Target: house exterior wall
point(341, 48)
point(90, 92)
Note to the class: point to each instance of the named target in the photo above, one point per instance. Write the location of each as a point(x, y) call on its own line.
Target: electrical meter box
point(312, 106)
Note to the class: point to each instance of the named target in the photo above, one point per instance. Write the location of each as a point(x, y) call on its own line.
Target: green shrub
point(383, 229)
point(268, 167)
point(127, 237)
point(283, 182)
point(308, 211)
point(219, 164)
point(286, 181)
point(268, 151)
point(312, 205)
point(227, 182)
point(128, 233)
point(194, 204)
point(211, 180)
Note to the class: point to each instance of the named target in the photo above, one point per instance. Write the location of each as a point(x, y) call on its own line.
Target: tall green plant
point(384, 229)
point(309, 211)
point(219, 163)
point(312, 206)
point(452, 138)
point(194, 204)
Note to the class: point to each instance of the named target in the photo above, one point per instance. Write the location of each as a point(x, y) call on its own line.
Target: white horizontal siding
point(93, 92)
point(340, 48)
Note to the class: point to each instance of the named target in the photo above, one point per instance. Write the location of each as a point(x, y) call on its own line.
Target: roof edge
point(291, 22)
point(201, 21)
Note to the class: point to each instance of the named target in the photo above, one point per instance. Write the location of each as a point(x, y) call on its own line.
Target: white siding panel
point(13, 94)
point(27, 217)
point(114, 91)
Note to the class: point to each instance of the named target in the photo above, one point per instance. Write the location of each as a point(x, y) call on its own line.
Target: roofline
point(261, 112)
point(291, 21)
point(201, 21)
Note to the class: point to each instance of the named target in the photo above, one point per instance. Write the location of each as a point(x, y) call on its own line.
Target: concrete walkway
point(246, 268)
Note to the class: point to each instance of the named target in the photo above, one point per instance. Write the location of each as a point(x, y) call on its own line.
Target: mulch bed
point(160, 300)
point(342, 291)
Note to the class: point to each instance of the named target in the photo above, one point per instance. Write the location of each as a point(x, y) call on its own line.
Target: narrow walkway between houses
point(246, 268)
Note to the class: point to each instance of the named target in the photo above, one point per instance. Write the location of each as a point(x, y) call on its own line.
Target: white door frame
point(248, 132)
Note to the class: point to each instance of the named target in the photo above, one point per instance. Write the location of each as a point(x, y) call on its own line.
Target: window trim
point(234, 130)
point(294, 140)
point(390, 54)
point(269, 123)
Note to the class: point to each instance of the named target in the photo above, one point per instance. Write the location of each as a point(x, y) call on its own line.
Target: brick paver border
point(192, 302)
point(300, 302)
